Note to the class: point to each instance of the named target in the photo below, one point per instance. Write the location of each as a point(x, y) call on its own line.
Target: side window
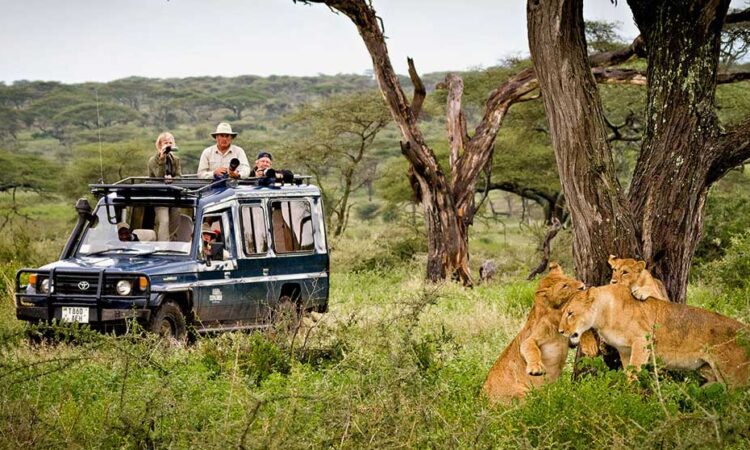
point(254, 238)
point(292, 226)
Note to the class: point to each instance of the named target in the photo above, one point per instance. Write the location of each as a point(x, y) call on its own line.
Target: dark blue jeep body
point(271, 250)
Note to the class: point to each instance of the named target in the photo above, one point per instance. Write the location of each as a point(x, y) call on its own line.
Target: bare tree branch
point(455, 121)
point(419, 90)
point(733, 148)
point(551, 233)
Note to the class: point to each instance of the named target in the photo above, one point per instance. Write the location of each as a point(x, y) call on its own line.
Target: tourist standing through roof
point(216, 160)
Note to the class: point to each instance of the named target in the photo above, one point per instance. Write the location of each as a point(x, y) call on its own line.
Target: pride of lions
point(633, 315)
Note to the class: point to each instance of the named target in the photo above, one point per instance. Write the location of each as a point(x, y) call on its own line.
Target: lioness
point(633, 274)
point(683, 337)
point(538, 349)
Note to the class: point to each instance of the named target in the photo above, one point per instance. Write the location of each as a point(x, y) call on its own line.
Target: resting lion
point(538, 349)
point(633, 273)
point(683, 337)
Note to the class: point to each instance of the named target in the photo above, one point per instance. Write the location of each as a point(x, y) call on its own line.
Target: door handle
point(265, 272)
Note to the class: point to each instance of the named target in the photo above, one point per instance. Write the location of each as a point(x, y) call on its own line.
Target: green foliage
point(731, 270)
point(110, 162)
point(335, 142)
point(254, 355)
point(602, 36)
point(727, 214)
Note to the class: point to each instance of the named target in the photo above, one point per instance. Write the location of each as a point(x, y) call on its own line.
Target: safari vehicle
point(267, 249)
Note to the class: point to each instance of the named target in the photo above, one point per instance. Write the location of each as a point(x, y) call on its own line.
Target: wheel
point(169, 321)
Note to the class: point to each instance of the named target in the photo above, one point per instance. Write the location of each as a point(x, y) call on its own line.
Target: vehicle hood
point(150, 265)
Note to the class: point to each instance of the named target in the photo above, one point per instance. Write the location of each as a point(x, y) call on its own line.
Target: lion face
point(556, 288)
point(625, 270)
point(577, 318)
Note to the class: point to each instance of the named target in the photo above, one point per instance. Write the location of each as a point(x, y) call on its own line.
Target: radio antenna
point(99, 132)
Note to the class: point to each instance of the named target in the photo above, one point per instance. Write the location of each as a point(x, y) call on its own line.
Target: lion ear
point(641, 265)
point(611, 260)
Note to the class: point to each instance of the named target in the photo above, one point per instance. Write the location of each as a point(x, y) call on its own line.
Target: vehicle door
point(214, 294)
point(254, 260)
point(299, 268)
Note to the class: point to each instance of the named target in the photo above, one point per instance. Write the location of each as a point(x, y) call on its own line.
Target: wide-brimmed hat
point(223, 128)
point(206, 228)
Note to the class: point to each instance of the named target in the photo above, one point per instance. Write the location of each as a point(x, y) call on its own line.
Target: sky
point(74, 41)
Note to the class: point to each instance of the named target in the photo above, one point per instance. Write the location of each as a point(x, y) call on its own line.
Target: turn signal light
point(143, 283)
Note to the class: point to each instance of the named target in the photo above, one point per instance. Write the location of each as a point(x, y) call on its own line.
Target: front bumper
point(96, 315)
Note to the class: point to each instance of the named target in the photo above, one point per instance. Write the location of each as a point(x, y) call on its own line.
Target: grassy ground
point(395, 363)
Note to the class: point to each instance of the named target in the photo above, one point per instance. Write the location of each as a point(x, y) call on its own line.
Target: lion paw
point(639, 293)
point(536, 369)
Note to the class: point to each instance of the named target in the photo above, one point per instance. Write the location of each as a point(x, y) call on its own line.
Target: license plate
point(75, 314)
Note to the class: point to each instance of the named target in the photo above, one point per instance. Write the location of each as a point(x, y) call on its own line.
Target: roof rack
point(185, 186)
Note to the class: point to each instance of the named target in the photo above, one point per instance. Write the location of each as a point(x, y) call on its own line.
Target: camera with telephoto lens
point(271, 176)
point(169, 148)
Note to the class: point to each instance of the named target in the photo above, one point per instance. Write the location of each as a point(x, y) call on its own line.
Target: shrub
point(731, 270)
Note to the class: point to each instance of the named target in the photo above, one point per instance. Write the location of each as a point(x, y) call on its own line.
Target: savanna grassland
point(396, 362)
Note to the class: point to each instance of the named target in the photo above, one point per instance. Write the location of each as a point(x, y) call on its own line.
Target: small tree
point(335, 143)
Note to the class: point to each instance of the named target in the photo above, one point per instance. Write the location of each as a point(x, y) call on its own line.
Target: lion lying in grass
point(633, 274)
point(682, 337)
point(537, 354)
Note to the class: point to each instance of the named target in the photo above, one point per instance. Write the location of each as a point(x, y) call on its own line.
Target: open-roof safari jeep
point(216, 256)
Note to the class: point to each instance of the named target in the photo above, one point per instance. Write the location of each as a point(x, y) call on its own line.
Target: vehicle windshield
point(139, 230)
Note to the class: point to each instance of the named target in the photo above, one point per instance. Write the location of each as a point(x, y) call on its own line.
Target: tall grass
point(395, 363)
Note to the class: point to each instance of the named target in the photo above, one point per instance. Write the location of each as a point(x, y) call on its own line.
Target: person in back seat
point(124, 233)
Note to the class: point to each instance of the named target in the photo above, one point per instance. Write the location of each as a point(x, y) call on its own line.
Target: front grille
point(76, 283)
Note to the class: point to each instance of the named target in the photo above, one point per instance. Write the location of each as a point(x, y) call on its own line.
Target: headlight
point(44, 286)
point(124, 287)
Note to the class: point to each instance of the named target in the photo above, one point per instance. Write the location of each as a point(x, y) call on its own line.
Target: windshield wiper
point(163, 250)
point(114, 249)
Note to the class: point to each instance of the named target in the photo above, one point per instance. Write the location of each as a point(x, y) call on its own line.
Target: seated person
point(212, 248)
point(124, 233)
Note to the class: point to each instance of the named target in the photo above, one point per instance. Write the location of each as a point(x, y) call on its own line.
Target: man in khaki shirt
point(215, 160)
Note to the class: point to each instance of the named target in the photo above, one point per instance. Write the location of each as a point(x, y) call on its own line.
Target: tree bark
point(602, 224)
point(670, 182)
point(683, 152)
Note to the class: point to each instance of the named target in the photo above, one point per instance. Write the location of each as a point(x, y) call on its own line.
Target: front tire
point(169, 322)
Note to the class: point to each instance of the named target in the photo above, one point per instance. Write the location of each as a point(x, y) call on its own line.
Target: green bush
point(731, 271)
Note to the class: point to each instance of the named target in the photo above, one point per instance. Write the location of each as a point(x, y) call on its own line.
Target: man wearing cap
point(215, 160)
point(262, 162)
point(211, 248)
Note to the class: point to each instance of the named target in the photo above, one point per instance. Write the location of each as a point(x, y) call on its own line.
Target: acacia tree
point(684, 150)
point(336, 146)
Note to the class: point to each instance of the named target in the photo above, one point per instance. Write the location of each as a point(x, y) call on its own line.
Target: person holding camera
point(216, 160)
point(164, 164)
point(262, 162)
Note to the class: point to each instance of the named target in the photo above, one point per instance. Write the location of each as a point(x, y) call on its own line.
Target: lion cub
point(633, 274)
point(538, 349)
point(682, 337)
